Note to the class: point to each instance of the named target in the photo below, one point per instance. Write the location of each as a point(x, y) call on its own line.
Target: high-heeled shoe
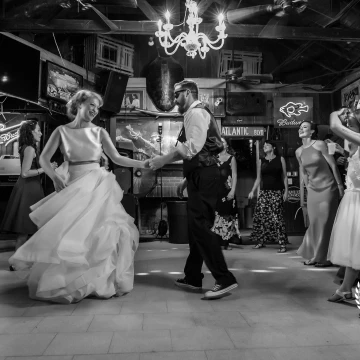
point(259, 246)
point(340, 296)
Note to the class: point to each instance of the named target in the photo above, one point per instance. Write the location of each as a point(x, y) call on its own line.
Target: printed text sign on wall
point(291, 111)
point(348, 94)
point(242, 131)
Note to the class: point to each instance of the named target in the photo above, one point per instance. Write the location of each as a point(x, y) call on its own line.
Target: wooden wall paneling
point(325, 108)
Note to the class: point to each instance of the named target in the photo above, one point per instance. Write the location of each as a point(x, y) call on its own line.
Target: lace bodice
point(353, 173)
point(81, 144)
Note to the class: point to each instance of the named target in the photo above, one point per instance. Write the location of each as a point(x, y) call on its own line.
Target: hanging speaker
point(114, 91)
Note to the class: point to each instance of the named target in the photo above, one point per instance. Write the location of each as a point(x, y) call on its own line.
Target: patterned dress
point(226, 217)
point(268, 222)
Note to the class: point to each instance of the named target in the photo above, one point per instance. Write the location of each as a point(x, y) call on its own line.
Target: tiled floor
point(278, 312)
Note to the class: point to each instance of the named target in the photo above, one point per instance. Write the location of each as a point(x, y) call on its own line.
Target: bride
point(85, 243)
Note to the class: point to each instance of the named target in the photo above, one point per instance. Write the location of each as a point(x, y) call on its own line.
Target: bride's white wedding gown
point(86, 241)
point(344, 248)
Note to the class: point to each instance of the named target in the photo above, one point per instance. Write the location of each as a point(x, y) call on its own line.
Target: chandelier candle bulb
point(167, 15)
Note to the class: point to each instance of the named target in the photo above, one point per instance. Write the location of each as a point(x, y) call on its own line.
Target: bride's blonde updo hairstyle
point(80, 97)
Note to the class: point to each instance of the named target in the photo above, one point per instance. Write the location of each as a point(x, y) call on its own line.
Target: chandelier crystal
point(193, 41)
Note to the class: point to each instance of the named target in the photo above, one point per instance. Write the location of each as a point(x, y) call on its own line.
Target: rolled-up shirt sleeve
point(196, 124)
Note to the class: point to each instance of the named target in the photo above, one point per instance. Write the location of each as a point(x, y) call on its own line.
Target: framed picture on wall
point(133, 98)
point(61, 83)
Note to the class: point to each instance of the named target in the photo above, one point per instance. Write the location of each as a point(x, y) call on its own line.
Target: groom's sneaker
point(184, 283)
point(219, 291)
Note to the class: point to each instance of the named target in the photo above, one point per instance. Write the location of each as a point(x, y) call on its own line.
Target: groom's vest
point(207, 156)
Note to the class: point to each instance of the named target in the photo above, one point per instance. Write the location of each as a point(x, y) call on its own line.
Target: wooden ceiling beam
point(121, 3)
point(149, 27)
point(311, 41)
point(203, 5)
point(317, 62)
point(343, 11)
point(148, 10)
point(335, 51)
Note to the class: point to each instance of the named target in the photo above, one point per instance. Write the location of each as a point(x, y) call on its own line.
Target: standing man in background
point(200, 144)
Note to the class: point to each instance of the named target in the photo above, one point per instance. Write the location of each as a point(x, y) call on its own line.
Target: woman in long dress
point(323, 183)
point(269, 223)
point(344, 246)
point(86, 241)
point(27, 190)
point(226, 223)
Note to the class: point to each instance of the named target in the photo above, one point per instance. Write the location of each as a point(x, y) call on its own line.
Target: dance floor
point(278, 312)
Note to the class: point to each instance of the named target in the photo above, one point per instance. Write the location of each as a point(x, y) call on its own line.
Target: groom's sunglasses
point(177, 93)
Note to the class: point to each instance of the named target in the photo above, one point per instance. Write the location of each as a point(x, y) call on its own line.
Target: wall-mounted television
point(61, 83)
point(19, 69)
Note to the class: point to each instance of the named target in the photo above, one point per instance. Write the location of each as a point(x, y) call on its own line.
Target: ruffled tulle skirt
point(344, 248)
point(86, 241)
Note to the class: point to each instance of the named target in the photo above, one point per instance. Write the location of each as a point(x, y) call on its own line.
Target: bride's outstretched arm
point(336, 125)
point(112, 153)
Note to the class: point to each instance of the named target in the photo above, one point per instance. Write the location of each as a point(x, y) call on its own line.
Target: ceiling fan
point(283, 11)
point(280, 8)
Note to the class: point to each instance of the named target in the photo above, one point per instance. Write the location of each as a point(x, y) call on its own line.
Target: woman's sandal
point(340, 296)
point(282, 250)
point(259, 246)
point(310, 263)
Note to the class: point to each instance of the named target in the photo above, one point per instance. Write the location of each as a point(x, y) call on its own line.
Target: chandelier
point(193, 41)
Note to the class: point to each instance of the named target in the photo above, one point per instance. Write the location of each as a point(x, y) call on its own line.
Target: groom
point(200, 143)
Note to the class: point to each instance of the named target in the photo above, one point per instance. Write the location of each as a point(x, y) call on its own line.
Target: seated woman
point(86, 241)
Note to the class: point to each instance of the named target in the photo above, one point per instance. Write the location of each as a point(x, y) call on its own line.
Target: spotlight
point(151, 41)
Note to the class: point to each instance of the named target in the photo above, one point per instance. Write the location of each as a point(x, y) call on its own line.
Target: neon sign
point(9, 137)
point(294, 109)
point(288, 122)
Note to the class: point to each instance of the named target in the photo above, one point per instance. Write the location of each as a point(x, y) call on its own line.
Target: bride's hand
point(59, 183)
